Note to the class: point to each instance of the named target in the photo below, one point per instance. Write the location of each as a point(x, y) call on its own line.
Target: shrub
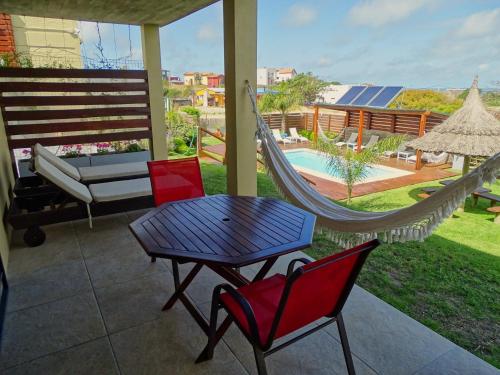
point(133, 147)
point(180, 146)
point(306, 133)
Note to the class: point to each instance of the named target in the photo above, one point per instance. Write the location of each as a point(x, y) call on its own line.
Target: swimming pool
point(311, 162)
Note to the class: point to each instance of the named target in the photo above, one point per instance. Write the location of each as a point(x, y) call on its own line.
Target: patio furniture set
point(225, 233)
point(222, 233)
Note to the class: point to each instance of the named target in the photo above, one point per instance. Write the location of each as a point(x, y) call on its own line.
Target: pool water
point(309, 161)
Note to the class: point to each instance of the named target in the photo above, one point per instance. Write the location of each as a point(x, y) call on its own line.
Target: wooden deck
point(337, 191)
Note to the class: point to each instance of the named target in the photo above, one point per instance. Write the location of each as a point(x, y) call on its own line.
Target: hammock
point(348, 227)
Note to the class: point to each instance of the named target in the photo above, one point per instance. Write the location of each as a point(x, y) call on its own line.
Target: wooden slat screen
point(394, 123)
point(70, 106)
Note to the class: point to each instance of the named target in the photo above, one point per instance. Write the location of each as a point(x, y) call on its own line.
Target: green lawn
point(449, 282)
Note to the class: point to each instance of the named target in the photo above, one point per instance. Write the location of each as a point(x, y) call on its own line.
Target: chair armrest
point(291, 265)
point(240, 300)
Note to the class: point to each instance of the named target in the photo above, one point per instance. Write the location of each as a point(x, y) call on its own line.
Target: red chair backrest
point(173, 180)
point(320, 288)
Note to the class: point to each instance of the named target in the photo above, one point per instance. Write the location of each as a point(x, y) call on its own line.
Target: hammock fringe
point(347, 227)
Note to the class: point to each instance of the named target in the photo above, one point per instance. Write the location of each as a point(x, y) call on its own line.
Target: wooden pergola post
point(421, 132)
point(360, 130)
point(315, 124)
point(240, 65)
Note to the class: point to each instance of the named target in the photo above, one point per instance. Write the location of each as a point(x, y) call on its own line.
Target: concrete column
point(240, 62)
point(6, 184)
point(152, 62)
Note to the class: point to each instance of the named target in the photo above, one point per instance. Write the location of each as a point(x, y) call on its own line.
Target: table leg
point(207, 352)
point(181, 287)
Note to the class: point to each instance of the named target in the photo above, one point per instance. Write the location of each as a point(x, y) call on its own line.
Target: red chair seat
point(264, 298)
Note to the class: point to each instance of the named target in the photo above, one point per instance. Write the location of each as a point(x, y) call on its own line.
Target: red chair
point(279, 305)
point(175, 180)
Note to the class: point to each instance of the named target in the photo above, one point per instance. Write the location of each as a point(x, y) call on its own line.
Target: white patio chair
point(279, 138)
point(351, 139)
point(294, 135)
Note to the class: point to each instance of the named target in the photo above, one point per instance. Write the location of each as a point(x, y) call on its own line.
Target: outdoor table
point(222, 233)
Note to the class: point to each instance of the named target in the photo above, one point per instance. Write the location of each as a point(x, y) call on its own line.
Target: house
point(284, 74)
point(266, 76)
point(216, 80)
point(210, 97)
point(37, 41)
point(192, 78)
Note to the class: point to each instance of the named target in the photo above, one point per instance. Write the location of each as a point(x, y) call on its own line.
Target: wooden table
point(496, 211)
point(223, 233)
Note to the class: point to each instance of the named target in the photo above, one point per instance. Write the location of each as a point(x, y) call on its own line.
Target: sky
point(413, 43)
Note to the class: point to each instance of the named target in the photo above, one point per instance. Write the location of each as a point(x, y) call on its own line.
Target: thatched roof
point(470, 131)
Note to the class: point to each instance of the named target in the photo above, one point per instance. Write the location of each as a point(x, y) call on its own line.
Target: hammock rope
point(348, 227)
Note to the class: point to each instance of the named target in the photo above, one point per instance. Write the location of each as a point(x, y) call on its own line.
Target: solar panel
point(350, 95)
point(367, 95)
point(386, 96)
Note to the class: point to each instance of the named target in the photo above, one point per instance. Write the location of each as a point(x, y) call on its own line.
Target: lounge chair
point(99, 173)
point(389, 154)
point(371, 142)
point(351, 139)
point(94, 193)
point(279, 138)
point(294, 136)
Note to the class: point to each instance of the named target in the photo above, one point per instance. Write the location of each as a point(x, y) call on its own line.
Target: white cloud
point(299, 15)
point(480, 24)
point(324, 62)
point(377, 13)
point(483, 66)
point(207, 33)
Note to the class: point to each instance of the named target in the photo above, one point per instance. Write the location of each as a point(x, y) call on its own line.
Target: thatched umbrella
point(470, 131)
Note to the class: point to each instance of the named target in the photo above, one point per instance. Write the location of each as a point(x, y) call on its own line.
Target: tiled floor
point(89, 302)
point(335, 190)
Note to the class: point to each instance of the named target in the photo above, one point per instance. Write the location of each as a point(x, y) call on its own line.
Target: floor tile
point(458, 362)
point(108, 236)
point(388, 340)
point(51, 327)
point(94, 357)
point(171, 344)
point(109, 269)
point(60, 246)
point(128, 304)
point(48, 284)
point(317, 354)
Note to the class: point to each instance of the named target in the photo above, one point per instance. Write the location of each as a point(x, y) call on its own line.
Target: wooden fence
point(70, 106)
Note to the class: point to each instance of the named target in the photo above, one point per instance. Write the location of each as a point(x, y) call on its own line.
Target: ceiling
point(135, 12)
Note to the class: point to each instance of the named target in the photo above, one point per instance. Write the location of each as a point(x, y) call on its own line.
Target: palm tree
point(281, 101)
point(353, 167)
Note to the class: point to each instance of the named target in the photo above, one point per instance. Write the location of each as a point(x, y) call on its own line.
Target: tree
point(353, 167)
point(281, 101)
point(305, 85)
point(428, 100)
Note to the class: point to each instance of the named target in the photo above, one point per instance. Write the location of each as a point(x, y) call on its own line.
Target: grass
point(449, 282)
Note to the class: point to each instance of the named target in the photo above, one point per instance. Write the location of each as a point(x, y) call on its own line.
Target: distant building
point(175, 80)
point(208, 79)
point(216, 80)
point(210, 97)
point(192, 78)
point(266, 76)
point(41, 41)
point(330, 94)
point(284, 74)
